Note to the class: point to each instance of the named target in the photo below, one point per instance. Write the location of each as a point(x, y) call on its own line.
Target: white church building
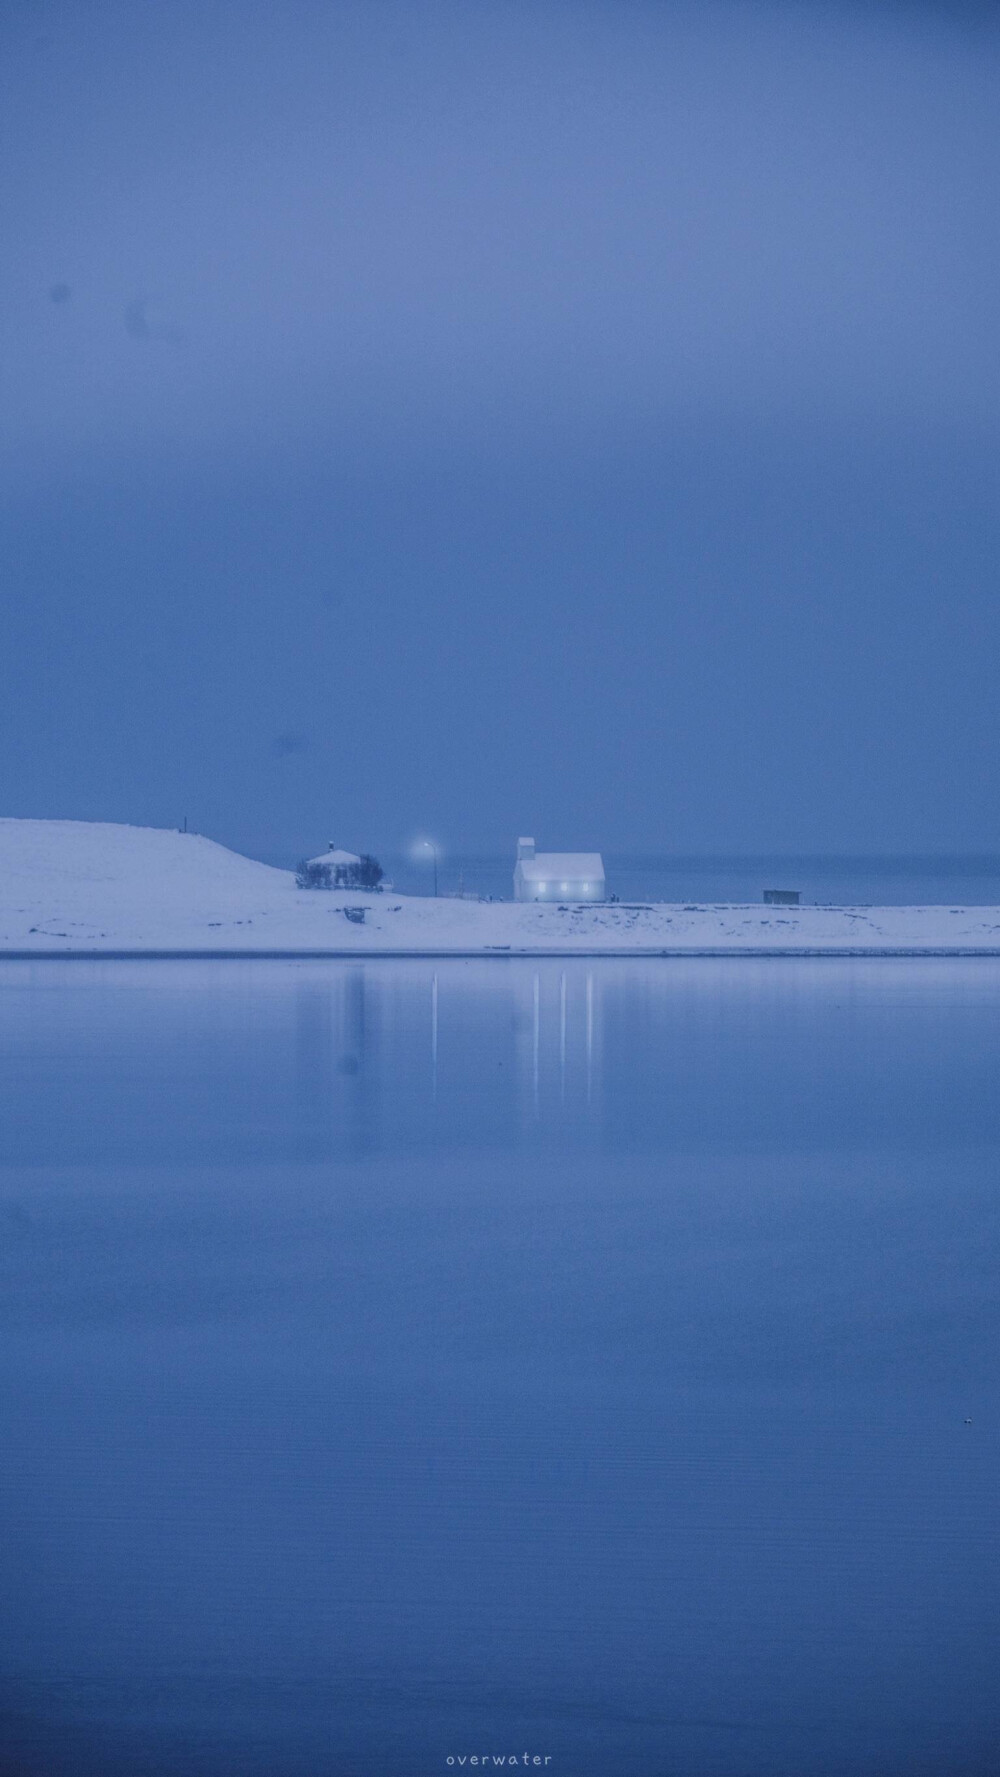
point(557, 875)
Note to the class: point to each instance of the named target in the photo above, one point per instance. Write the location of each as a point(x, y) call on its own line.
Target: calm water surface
point(403, 1362)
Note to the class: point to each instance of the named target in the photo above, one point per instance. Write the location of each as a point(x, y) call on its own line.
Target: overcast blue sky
point(479, 417)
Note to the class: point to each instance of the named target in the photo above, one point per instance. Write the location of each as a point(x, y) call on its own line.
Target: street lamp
point(432, 848)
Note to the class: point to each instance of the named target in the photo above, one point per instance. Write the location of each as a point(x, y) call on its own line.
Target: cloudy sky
point(483, 416)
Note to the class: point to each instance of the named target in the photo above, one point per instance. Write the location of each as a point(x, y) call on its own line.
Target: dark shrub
point(313, 876)
point(366, 873)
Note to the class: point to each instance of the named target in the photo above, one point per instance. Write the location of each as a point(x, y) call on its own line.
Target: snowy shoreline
point(76, 889)
point(360, 954)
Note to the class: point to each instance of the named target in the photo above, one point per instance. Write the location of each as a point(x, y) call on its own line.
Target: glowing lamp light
point(424, 851)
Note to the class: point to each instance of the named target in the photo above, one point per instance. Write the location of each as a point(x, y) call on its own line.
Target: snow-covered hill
point(95, 887)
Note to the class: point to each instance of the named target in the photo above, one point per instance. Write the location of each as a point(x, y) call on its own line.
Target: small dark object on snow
point(355, 914)
point(781, 897)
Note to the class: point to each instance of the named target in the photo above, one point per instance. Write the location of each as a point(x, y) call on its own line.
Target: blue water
point(405, 1362)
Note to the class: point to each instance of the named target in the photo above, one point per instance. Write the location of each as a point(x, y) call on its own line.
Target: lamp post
point(432, 848)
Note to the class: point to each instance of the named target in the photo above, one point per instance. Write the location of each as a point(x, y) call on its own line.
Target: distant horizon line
point(447, 855)
point(989, 859)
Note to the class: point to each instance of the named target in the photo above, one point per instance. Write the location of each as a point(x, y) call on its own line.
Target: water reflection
point(305, 1060)
point(406, 1360)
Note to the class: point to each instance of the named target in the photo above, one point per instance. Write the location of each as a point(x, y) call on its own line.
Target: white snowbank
point(82, 886)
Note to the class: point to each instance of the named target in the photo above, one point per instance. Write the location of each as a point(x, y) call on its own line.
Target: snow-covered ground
point(92, 887)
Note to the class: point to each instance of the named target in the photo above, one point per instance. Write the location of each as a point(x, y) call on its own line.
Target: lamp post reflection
point(434, 1037)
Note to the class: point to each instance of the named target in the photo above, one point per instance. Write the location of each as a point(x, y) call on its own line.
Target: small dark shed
point(781, 897)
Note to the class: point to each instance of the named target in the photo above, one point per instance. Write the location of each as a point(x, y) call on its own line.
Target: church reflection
point(267, 1064)
point(405, 1054)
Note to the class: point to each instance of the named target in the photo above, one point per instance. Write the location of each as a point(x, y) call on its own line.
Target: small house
point(336, 869)
point(557, 875)
point(341, 865)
